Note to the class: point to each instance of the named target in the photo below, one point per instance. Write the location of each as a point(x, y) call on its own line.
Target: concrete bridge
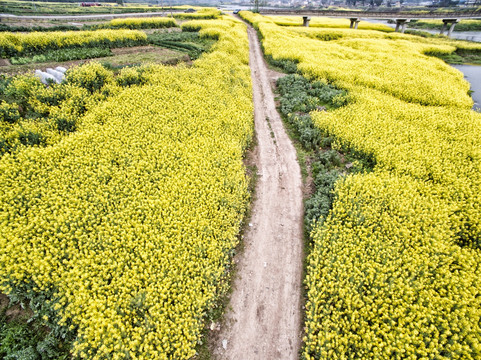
point(401, 18)
point(374, 14)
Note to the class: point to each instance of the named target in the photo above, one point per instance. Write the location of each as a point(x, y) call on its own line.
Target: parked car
point(236, 11)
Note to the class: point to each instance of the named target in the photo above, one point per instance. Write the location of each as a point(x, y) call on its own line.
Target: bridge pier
point(305, 21)
point(401, 25)
point(354, 22)
point(446, 22)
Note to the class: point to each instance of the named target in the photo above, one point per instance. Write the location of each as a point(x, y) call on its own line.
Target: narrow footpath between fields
point(263, 319)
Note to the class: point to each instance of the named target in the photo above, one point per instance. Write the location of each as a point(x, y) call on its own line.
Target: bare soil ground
point(13, 312)
point(263, 319)
point(136, 50)
point(122, 56)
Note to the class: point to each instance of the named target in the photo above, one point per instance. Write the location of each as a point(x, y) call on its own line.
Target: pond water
point(472, 73)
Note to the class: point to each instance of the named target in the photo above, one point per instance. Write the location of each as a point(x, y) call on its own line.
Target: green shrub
point(328, 159)
point(17, 340)
point(185, 41)
point(131, 76)
point(288, 66)
point(26, 338)
point(309, 136)
point(30, 137)
point(66, 124)
point(300, 96)
point(14, 28)
point(4, 81)
point(21, 89)
point(320, 203)
point(9, 112)
point(92, 76)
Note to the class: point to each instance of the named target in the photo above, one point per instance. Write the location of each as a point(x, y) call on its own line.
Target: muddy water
point(472, 73)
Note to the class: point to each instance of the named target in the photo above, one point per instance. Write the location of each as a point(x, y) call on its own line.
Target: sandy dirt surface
point(89, 16)
point(263, 320)
point(121, 56)
point(135, 50)
point(13, 312)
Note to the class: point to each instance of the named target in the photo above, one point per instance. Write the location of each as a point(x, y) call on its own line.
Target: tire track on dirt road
point(264, 317)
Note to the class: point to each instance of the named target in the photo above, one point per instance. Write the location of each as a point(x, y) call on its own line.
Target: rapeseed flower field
point(14, 44)
point(394, 267)
point(326, 22)
point(122, 231)
point(139, 23)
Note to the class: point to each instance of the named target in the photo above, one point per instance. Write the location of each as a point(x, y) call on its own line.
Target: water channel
point(472, 73)
point(460, 35)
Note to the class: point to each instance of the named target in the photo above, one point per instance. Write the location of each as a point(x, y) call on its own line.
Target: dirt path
point(264, 318)
point(90, 16)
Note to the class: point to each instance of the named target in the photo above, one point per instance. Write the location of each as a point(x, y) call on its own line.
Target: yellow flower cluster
point(392, 64)
point(255, 19)
point(436, 144)
point(129, 223)
point(385, 280)
point(394, 269)
point(201, 13)
point(444, 44)
point(141, 23)
point(18, 43)
point(209, 31)
point(39, 115)
point(326, 22)
point(91, 76)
